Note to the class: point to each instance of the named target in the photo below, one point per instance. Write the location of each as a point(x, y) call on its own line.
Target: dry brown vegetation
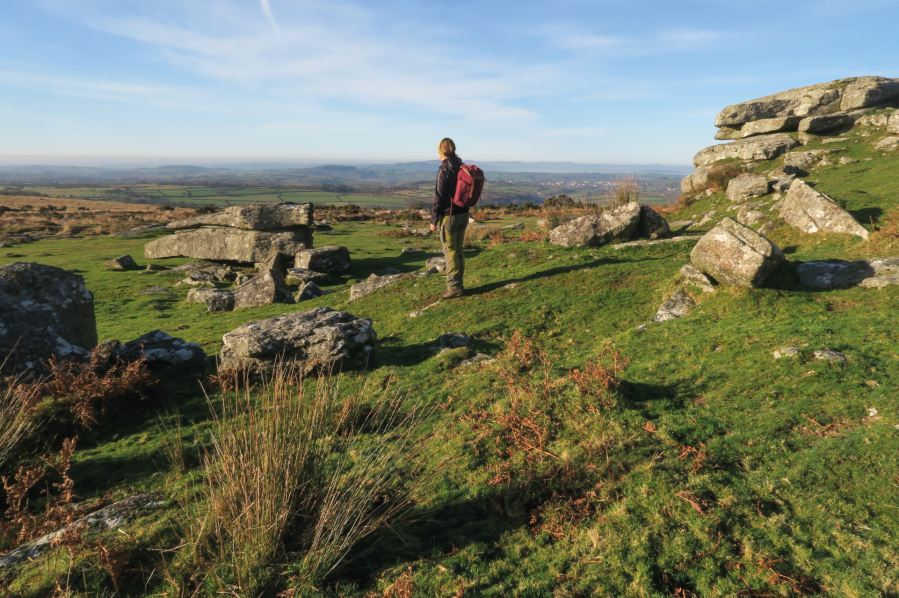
point(79, 216)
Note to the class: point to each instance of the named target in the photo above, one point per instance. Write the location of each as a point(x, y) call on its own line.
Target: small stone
point(479, 358)
point(330, 258)
point(872, 412)
point(415, 313)
point(511, 285)
point(678, 305)
point(125, 262)
point(694, 276)
point(386, 271)
point(827, 355)
point(156, 289)
point(786, 352)
point(454, 340)
point(310, 290)
point(410, 250)
point(299, 276)
point(847, 160)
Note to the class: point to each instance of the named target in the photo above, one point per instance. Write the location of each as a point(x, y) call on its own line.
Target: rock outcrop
point(888, 144)
point(265, 288)
point(768, 125)
point(229, 244)
point(811, 211)
point(322, 338)
point(593, 231)
point(330, 258)
point(371, 285)
point(734, 254)
point(261, 216)
point(822, 124)
point(746, 186)
point(696, 182)
point(873, 273)
point(44, 312)
point(762, 147)
point(652, 225)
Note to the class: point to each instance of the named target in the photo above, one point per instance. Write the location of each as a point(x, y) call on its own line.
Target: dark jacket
point(446, 190)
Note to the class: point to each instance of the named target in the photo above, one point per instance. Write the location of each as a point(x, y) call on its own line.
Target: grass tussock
point(625, 190)
point(297, 476)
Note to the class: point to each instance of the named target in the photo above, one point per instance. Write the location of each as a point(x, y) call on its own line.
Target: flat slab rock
point(593, 231)
point(44, 312)
point(374, 282)
point(762, 147)
point(811, 212)
point(162, 350)
point(107, 518)
point(873, 273)
point(255, 216)
point(734, 254)
point(301, 276)
point(228, 244)
point(322, 338)
point(330, 258)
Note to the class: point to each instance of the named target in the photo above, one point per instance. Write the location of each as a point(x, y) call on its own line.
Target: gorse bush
point(296, 476)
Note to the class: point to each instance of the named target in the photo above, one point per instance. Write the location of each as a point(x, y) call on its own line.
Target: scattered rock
point(802, 160)
point(762, 147)
point(416, 313)
point(390, 271)
point(330, 258)
point(44, 312)
point(322, 338)
point(274, 261)
point(591, 231)
point(454, 340)
point(511, 285)
point(228, 244)
point(893, 124)
point(786, 352)
point(125, 262)
point(436, 262)
point(694, 276)
point(154, 268)
point(749, 214)
point(746, 186)
point(371, 285)
point(196, 282)
point(479, 358)
point(678, 305)
point(310, 290)
point(847, 160)
point(162, 350)
point(260, 216)
point(214, 299)
point(516, 226)
point(826, 355)
point(888, 144)
point(300, 276)
point(736, 255)
point(191, 266)
point(825, 162)
point(652, 225)
point(706, 218)
point(811, 211)
point(263, 289)
point(873, 273)
point(154, 289)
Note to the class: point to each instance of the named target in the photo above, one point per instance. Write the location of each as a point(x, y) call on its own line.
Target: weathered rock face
point(696, 182)
point(330, 258)
point(874, 273)
point(162, 350)
point(213, 299)
point(890, 144)
point(300, 276)
point(229, 244)
point(310, 290)
point(821, 124)
point(254, 216)
point(371, 285)
point(274, 261)
point(320, 338)
point(736, 255)
point(44, 311)
point(652, 225)
point(802, 160)
point(770, 125)
point(678, 305)
point(746, 186)
point(125, 262)
point(694, 276)
point(592, 231)
point(750, 214)
point(264, 288)
point(893, 123)
point(823, 98)
point(811, 211)
point(761, 147)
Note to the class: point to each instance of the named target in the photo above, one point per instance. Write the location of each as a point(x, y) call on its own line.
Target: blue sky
point(632, 82)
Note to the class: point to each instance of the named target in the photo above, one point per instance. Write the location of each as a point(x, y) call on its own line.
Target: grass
point(706, 467)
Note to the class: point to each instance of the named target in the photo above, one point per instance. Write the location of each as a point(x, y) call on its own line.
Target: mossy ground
point(723, 471)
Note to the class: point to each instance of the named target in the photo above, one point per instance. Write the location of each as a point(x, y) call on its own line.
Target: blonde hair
point(446, 147)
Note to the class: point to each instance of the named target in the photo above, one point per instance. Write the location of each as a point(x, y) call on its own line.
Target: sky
point(611, 82)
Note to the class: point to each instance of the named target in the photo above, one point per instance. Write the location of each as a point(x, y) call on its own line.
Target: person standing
point(449, 218)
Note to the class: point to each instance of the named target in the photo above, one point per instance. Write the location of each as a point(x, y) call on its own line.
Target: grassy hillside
point(711, 469)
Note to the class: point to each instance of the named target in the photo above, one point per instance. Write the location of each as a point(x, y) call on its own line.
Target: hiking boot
point(452, 293)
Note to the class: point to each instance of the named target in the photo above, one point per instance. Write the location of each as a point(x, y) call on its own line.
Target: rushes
point(625, 190)
point(295, 474)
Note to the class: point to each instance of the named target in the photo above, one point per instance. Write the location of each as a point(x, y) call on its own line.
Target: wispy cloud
point(270, 16)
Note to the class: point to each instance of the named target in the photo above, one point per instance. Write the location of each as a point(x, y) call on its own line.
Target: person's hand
point(433, 228)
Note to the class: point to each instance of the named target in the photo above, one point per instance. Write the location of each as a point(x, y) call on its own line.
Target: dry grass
point(16, 401)
point(625, 190)
point(293, 469)
point(475, 234)
point(721, 175)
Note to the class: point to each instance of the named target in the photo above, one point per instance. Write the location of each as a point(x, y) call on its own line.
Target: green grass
point(795, 477)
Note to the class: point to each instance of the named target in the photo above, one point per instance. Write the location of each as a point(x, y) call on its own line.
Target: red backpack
point(469, 184)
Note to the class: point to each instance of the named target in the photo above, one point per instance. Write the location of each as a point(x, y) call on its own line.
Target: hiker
point(451, 219)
